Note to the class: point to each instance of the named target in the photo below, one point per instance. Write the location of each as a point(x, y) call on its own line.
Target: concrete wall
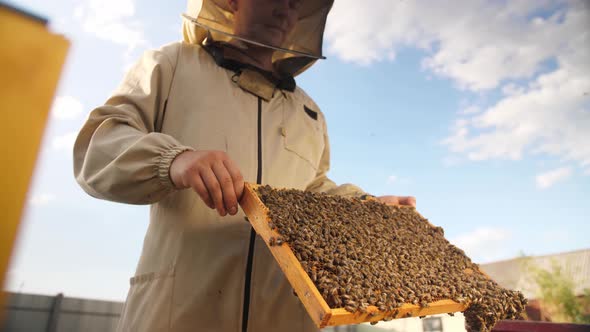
point(40, 313)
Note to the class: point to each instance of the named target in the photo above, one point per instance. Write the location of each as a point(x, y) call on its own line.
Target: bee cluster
point(365, 253)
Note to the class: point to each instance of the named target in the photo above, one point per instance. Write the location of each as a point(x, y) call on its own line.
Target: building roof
point(516, 273)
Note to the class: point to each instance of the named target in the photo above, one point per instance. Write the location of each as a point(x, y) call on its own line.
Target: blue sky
point(483, 114)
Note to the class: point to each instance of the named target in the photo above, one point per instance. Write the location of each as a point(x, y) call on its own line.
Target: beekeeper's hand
point(213, 175)
point(397, 200)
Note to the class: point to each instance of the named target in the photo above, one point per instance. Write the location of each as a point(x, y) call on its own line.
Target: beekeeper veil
point(213, 19)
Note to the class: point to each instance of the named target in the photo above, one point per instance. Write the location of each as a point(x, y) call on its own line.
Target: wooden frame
point(306, 290)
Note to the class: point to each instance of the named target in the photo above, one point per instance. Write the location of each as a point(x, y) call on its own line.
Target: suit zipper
point(247, 284)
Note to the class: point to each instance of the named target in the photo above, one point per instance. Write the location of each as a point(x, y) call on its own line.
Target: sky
point(479, 109)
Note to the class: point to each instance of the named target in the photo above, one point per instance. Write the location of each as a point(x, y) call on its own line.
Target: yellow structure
point(31, 59)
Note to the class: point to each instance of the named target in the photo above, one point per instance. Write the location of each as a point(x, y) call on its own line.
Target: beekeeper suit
point(199, 271)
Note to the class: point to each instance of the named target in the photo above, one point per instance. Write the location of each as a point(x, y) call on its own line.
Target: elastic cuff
point(166, 160)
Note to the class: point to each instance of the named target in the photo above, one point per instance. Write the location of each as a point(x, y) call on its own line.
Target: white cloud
point(64, 142)
point(112, 20)
point(478, 46)
point(533, 52)
point(550, 117)
point(392, 178)
point(41, 199)
point(548, 179)
point(512, 89)
point(471, 109)
point(484, 244)
point(66, 107)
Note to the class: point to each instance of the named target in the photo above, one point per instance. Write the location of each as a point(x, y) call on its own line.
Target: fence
point(40, 313)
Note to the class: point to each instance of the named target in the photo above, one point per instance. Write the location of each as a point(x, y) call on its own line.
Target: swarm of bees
point(365, 253)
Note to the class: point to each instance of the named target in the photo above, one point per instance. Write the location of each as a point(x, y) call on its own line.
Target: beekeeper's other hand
point(397, 200)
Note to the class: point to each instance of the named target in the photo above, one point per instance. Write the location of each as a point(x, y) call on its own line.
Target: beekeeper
point(188, 125)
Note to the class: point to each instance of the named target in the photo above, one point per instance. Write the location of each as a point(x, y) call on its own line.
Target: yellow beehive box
point(31, 60)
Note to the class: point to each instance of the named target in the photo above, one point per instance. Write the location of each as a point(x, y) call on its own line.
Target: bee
point(334, 291)
point(351, 303)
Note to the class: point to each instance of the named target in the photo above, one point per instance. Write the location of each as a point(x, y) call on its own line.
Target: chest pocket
point(303, 134)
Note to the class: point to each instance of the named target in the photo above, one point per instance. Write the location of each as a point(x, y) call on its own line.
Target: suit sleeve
point(118, 154)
